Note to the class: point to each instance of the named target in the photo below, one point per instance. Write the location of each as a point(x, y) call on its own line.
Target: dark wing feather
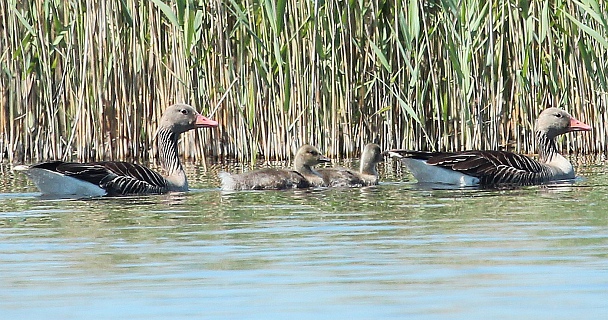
point(89, 172)
point(135, 171)
point(491, 167)
point(117, 178)
point(125, 185)
point(132, 178)
point(421, 155)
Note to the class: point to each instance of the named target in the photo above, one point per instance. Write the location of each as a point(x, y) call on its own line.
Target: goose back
point(486, 167)
point(116, 178)
point(341, 177)
point(264, 179)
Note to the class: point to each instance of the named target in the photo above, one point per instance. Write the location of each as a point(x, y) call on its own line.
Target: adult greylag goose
point(303, 174)
point(112, 178)
point(495, 168)
point(367, 175)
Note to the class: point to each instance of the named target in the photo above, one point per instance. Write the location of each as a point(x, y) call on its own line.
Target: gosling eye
point(314, 153)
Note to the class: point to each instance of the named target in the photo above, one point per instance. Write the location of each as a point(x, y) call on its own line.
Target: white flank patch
point(55, 184)
point(425, 173)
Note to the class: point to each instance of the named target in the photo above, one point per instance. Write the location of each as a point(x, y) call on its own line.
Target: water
point(391, 251)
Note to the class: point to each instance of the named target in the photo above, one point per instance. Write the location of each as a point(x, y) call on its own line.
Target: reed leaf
point(169, 13)
point(89, 80)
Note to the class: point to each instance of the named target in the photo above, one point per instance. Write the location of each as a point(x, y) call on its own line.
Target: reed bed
point(88, 80)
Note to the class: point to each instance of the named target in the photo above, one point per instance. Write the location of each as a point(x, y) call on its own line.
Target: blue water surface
point(391, 251)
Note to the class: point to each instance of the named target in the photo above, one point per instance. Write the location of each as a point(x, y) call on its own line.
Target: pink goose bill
point(576, 125)
point(204, 122)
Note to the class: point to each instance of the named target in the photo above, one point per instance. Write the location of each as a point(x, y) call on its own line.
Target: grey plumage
point(123, 178)
point(493, 168)
point(303, 174)
point(490, 167)
point(366, 176)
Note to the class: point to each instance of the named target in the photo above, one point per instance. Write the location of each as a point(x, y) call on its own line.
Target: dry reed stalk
point(89, 80)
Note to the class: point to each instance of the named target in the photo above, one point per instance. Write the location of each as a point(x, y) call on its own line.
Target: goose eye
point(559, 115)
point(184, 111)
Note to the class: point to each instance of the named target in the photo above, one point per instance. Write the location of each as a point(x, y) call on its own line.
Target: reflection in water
point(393, 250)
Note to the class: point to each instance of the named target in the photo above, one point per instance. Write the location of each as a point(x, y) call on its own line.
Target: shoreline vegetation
point(89, 80)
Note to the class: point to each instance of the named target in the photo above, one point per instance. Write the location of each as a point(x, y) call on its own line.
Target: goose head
point(371, 156)
point(308, 156)
point(554, 121)
point(180, 118)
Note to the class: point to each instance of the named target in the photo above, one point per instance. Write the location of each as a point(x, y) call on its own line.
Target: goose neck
point(368, 167)
point(547, 148)
point(305, 169)
point(169, 159)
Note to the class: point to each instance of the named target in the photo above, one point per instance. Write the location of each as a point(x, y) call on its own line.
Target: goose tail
point(51, 183)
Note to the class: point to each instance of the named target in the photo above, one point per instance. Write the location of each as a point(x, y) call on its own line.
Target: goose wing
point(88, 172)
point(491, 167)
point(494, 167)
point(132, 178)
point(117, 178)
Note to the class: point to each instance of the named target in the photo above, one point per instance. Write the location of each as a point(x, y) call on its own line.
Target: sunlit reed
point(89, 79)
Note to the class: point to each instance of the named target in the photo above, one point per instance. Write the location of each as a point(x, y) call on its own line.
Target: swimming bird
point(112, 178)
point(367, 175)
point(303, 174)
point(495, 168)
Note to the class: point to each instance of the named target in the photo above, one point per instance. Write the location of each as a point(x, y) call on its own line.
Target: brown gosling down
point(303, 174)
point(367, 175)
